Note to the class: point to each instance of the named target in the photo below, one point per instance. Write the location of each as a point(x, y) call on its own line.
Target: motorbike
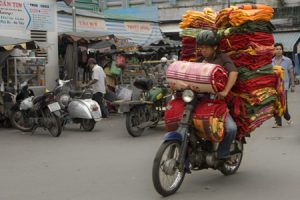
point(184, 151)
point(148, 110)
point(30, 112)
point(78, 106)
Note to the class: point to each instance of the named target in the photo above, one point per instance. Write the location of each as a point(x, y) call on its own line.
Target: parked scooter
point(77, 105)
point(30, 112)
point(147, 111)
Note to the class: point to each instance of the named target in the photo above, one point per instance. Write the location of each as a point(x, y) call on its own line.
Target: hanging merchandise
point(114, 69)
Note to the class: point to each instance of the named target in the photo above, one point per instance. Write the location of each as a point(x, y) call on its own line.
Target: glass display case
point(31, 69)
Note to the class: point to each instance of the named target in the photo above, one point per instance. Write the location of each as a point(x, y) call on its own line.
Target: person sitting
point(208, 42)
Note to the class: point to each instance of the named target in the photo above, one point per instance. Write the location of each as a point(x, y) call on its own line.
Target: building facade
point(286, 16)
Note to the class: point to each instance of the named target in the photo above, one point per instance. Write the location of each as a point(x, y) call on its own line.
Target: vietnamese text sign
point(90, 24)
point(137, 27)
point(27, 15)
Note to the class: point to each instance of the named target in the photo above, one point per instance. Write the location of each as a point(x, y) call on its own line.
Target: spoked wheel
point(20, 121)
point(236, 155)
point(133, 120)
point(88, 124)
point(53, 124)
point(165, 173)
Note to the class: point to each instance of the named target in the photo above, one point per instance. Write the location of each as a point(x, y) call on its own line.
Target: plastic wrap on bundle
point(199, 77)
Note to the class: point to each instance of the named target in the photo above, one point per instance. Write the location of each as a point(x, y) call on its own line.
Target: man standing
point(98, 84)
point(287, 65)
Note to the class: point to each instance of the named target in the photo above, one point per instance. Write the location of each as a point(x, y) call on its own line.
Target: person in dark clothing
point(208, 43)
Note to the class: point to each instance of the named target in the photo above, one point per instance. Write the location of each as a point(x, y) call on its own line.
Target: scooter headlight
point(188, 96)
point(64, 100)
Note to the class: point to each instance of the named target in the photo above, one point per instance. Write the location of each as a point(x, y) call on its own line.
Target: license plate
point(54, 107)
point(96, 115)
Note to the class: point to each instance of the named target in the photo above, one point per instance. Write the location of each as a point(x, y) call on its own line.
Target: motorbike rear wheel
point(53, 124)
point(165, 174)
point(237, 148)
point(20, 121)
point(88, 124)
point(132, 122)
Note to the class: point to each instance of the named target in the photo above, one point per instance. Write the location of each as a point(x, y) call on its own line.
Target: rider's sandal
point(230, 162)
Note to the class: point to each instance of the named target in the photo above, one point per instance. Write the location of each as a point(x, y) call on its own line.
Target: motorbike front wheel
point(20, 121)
point(53, 124)
point(132, 123)
point(88, 124)
point(165, 173)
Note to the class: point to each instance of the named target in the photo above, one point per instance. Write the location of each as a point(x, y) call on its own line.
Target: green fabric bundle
point(245, 73)
point(190, 32)
point(249, 27)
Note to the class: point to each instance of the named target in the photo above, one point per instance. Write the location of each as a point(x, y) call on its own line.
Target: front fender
point(173, 136)
point(58, 114)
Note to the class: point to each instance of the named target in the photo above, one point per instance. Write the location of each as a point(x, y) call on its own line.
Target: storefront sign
point(90, 24)
point(27, 15)
point(137, 27)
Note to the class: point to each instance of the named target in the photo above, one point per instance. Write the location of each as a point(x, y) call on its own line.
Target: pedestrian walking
point(289, 80)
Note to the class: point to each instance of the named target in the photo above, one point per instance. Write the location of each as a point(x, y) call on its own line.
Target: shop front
point(34, 21)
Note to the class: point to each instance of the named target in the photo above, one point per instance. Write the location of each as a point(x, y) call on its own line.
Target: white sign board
point(27, 15)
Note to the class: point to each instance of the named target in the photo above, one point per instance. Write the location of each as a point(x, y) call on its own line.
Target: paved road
point(108, 164)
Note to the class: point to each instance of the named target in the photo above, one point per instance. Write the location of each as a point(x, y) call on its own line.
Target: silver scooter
point(78, 106)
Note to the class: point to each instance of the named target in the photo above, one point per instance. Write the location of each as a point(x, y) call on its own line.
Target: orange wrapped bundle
point(238, 15)
point(197, 19)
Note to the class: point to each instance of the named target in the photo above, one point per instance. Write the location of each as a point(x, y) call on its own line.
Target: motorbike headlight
point(64, 100)
point(188, 96)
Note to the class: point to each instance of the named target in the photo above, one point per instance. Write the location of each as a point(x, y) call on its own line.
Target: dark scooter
point(184, 151)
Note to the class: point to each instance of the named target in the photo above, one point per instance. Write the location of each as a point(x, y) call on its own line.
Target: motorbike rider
point(208, 41)
point(98, 84)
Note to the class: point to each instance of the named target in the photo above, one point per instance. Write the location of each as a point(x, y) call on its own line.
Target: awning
point(170, 28)
point(142, 33)
point(8, 43)
point(288, 39)
point(87, 36)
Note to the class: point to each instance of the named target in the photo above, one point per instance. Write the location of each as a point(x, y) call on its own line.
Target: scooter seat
point(75, 93)
point(143, 84)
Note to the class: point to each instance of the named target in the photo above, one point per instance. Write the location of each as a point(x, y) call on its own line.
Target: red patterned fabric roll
point(199, 77)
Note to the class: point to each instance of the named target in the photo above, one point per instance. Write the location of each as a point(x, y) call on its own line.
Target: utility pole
point(75, 58)
point(74, 15)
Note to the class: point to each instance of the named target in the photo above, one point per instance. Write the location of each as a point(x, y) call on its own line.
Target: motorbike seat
point(75, 93)
point(37, 98)
point(143, 84)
